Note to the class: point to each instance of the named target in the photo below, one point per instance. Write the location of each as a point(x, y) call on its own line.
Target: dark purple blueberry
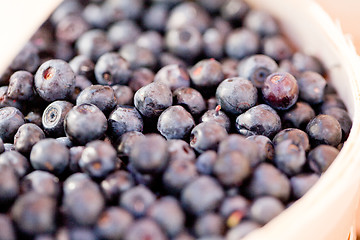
point(205, 162)
point(324, 129)
point(265, 208)
point(343, 118)
point(299, 115)
point(112, 69)
point(213, 40)
point(124, 94)
point(311, 87)
point(290, 157)
point(321, 157)
point(332, 100)
point(93, 44)
point(138, 57)
point(287, 66)
point(257, 68)
point(75, 155)
point(185, 42)
point(167, 58)
point(174, 76)
point(211, 104)
point(234, 10)
point(242, 42)
point(113, 223)
point(178, 174)
point(206, 73)
point(27, 59)
point(123, 32)
point(34, 117)
point(215, 115)
point(261, 22)
point(127, 141)
point(265, 147)
point(85, 123)
point(70, 28)
point(241, 230)
point(98, 159)
point(149, 154)
point(123, 9)
point(116, 183)
point(101, 96)
point(76, 232)
point(209, 225)
point(168, 214)
point(232, 206)
point(124, 119)
point(179, 149)
point(82, 65)
point(230, 67)
point(41, 182)
point(137, 200)
point(280, 90)
point(81, 82)
point(152, 41)
point(77, 181)
point(63, 50)
point(10, 120)
point(53, 118)
point(54, 80)
point(27, 136)
point(34, 213)
point(152, 99)
point(7, 230)
point(146, 179)
point(202, 195)
point(140, 78)
point(190, 99)
point(65, 141)
point(65, 9)
point(42, 156)
point(156, 16)
point(236, 95)
point(303, 62)
point(21, 86)
point(9, 184)
point(207, 136)
point(94, 15)
point(297, 137)
point(268, 180)
point(277, 48)
point(259, 120)
point(5, 101)
point(301, 183)
point(144, 229)
point(17, 161)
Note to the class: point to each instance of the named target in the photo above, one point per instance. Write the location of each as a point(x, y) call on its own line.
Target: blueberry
point(41, 182)
point(42, 156)
point(332, 100)
point(230, 67)
point(138, 57)
point(299, 115)
point(301, 183)
point(297, 137)
point(257, 68)
point(21, 86)
point(63, 50)
point(277, 48)
point(34, 117)
point(85, 123)
point(112, 69)
point(124, 94)
point(206, 161)
point(168, 214)
point(321, 157)
point(123, 32)
point(146, 179)
point(82, 65)
point(27, 136)
point(65, 9)
point(241, 230)
point(7, 230)
point(75, 155)
point(116, 183)
point(212, 5)
point(76, 182)
point(156, 16)
point(167, 58)
point(34, 213)
point(152, 41)
point(140, 78)
point(221, 25)
point(207, 73)
point(127, 141)
point(65, 141)
point(304, 62)
point(234, 10)
point(267, 180)
point(312, 86)
point(324, 129)
point(190, 99)
point(259, 120)
point(144, 228)
point(179, 149)
point(137, 200)
point(286, 65)
point(93, 44)
point(290, 157)
point(207, 136)
point(17, 161)
point(280, 90)
point(70, 28)
point(209, 225)
point(149, 154)
point(5, 101)
point(76, 232)
point(266, 208)
point(202, 195)
point(174, 76)
point(213, 41)
point(241, 42)
point(113, 223)
point(152, 99)
point(343, 118)
point(27, 59)
point(178, 174)
point(234, 209)
point(10, 120)
point(9, 184)
point(98, 159)
point(261, 22)
point(53, 118)
point(123, 9)
point(215, 115)
point(265, 147)
point(94, 15)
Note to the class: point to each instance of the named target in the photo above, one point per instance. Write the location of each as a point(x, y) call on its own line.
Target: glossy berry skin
point(312, 87)
point(127, 141)
point(299, 115)
point(179, 149)
point(124, 94)
point(17, 161)
point(190, 99)
point(41, 182)
point(324, 129)
point(301, 183)
point(265, 146)
point(10, 120)
point(210, 224)
point(216, 116)
point(34, 213)
point(42, 156)
point(101, 96)
point(77, 181)
point(259, 120)
point(85, 123)
point(54, 80)
point(112, 69)
point(143, 229)
point(117, 183)
point(297, 137)
point(140, 78)
point(289, 157)
point(27, 136)
point(82, 65)
point(205, 162)
point(207, 136)
point(174, 76)
point(206, 73)
point(265, 208)
point(343, 118)
point(137, 200)
point(257, 68)
point(53, 118)
point(21, 86)
point(277, 48)
point(9, 185)
point(152, 99)
point(7, 230)
point(175, 123)
point(202, 195)
point(236, 95)
point(242, 229)
point(138, 57)
point(280, 90)
point(98, 159)
point(241, 43)
point(123, 32)
point(321, 157)
point(261, 22)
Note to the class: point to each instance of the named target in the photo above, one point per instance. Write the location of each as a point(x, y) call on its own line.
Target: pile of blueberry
point(161, 119)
